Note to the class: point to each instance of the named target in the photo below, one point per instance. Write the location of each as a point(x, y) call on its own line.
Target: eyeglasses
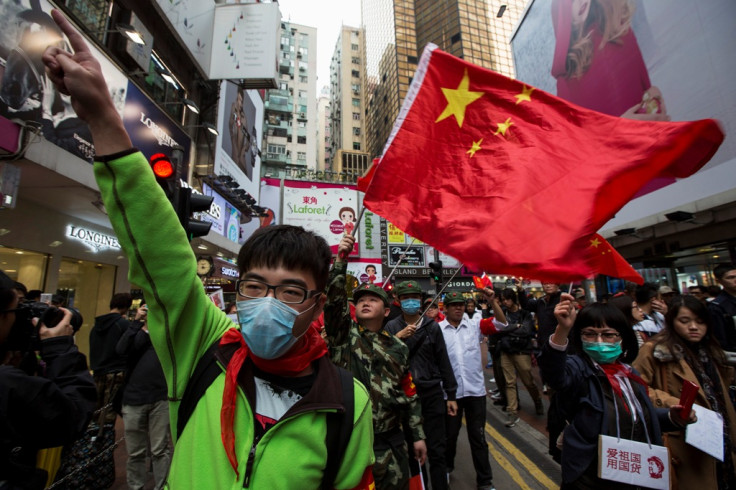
point(286, 293)
point(606, 336)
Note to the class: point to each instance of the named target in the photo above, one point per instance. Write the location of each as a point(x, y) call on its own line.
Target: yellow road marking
point(521, 458)
point(507, 466)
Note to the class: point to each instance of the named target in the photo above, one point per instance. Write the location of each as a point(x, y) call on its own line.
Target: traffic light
point(165, 173)
point(188, 202)
point(436, 271)
point(182, 199)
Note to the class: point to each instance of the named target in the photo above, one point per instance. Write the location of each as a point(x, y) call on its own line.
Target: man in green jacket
point(262, 422)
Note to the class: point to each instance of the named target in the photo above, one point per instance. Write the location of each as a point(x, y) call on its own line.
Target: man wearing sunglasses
point(263, 420)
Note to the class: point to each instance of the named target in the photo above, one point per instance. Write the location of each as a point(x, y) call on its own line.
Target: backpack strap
point(204, 374)
point(339, 430)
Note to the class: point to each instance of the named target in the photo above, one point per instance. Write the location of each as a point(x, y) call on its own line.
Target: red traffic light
point(162, 166)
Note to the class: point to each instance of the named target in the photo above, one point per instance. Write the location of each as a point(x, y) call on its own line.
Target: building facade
point(324, 158)
point(290, 126)
point(347, 101)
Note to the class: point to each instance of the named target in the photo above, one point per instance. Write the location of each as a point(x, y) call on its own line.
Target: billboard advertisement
point(26, 93)
point(240, 125)
point(193, 21)
point(225, 218)
point(326, 209)
point(228, 41)
point(151, 130)
point(653, 60)
point(245, 42)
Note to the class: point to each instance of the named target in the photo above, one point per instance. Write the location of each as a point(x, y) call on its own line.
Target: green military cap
point(368, 288)
point(408, 287)
point(454, 297)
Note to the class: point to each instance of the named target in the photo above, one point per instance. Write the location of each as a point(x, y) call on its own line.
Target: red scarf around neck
point(309, 348)
point(616, 367)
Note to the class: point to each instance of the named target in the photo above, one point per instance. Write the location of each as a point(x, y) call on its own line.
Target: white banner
point(633, 463)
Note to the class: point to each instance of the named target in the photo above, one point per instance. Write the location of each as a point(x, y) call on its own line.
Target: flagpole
point(398, 262)
point(360, 217)
point(443, 288)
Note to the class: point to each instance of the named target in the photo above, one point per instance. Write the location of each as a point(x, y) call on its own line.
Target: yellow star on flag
point(525, 95)
point(458, 99)
point(503, 127)
point(474, 148)
point(595, 242)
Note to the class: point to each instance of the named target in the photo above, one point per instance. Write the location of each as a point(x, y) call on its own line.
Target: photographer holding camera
point(49, 409)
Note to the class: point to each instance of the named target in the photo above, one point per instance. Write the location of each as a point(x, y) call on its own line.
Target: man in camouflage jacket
point(381, 362)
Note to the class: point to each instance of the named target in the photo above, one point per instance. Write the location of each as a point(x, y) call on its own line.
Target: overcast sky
point(327, 16)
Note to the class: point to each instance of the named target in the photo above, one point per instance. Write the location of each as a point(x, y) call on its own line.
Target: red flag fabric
point(604, 259)
point(365, 180)
point(508, 178)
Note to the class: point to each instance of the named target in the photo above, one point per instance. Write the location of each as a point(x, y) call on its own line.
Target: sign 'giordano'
point(95, 240)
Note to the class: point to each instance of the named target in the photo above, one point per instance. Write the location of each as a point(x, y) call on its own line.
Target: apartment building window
point(356, 116)
point(356, 131)
point(301, 157)
point(303, 79)
point(301, 140)
point(354, 47)
point(356, 102)
point(355, 73)
point(356, 88)
point(356, 146)
point(355, 61)
point(277, 149)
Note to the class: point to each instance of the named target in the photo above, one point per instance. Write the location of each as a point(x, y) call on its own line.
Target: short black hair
point(720, 270)
point(121, 301)
point(646, 292)
point(713, 290)
point(20, 287)
point(34, 295)
point(7, 292)
point(598, 315)
point(290, 247)
point(699, 287)
point(509, 293)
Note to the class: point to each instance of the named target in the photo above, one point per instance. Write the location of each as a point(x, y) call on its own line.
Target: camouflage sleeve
point(412, 410)
point(337, 316)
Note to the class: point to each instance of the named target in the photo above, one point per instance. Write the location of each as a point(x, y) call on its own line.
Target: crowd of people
point(367, 402)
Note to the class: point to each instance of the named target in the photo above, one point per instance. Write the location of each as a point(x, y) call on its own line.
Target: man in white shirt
point(462, 338)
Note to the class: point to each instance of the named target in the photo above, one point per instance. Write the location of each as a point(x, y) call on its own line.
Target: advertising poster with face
point(326, 209)
point(26, 93)
point(367, 270)
point(647, 60)
point(240, 125)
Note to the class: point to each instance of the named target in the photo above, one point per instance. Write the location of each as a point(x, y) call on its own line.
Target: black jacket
point(145, 381)
point(430, 364)
point(44, 411)
point(544, 309)
point(518, 339)
point(582, 404)
point(103, 338)
point(723, 311)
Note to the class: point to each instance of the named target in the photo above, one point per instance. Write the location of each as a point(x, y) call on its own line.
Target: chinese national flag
point(601, 258)
point(511, 179)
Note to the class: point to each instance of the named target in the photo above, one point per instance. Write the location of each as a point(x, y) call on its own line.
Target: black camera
point(24, 336)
